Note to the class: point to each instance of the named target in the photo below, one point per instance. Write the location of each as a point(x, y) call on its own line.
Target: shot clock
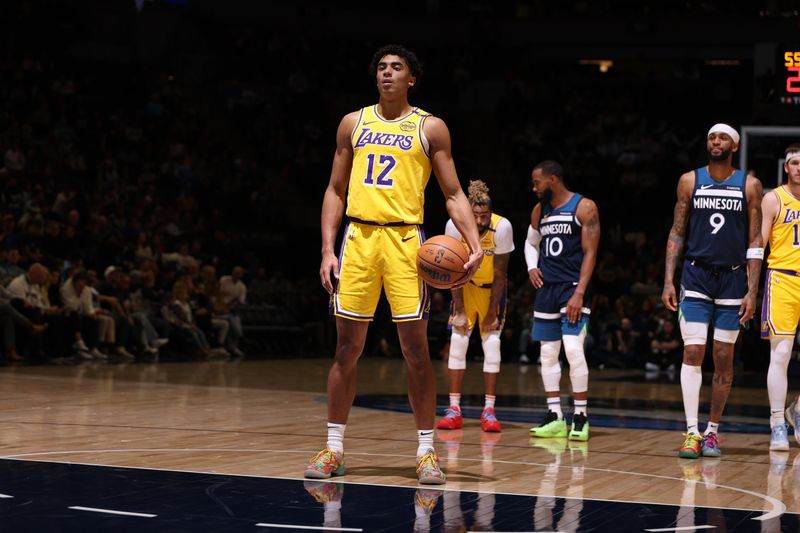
point(789, 75)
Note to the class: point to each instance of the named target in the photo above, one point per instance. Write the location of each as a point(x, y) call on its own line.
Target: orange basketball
point(440, 261)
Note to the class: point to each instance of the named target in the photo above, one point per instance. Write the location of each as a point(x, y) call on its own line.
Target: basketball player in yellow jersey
point(482, 301)
point(384, 156)
point(780, 314)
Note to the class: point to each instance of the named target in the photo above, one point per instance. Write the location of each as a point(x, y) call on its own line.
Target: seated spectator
point(231, 333)
point(78, 298)
point(9, 268)
point(112, 296)
point(141, 309)
point(10, 318)
point(232, 289)
point(666, 349)
point(185, 334)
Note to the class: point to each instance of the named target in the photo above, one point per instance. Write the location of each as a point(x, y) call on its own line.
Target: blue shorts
point(550, 312)
point(712, 294)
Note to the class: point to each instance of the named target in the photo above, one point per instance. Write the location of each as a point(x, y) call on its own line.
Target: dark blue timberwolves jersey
point(718, 219)
point(561, 251)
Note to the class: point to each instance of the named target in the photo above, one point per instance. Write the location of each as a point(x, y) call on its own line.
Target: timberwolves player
point(718, 217)
point(384, 156)
point(565, 226)
point(781, 307)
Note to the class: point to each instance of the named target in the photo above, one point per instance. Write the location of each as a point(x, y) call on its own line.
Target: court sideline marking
point(778, 507)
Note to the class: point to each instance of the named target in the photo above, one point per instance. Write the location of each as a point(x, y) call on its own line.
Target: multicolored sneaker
point(580, 428)
point(489, 421)
point(793, 416)
point(325, 464)
point(710, 447)
point(428, 470)
point(552, 427)
point(324, 491)
point(779, 439)
point(452, 419)
point(691, 446)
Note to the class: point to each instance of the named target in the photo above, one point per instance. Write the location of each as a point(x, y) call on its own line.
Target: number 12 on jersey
point(385, 163)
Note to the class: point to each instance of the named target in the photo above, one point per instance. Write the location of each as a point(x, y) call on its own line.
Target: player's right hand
point(669, 297)
point(329, 267)
point(535, 275)
point(459, 322)
point(471, 266)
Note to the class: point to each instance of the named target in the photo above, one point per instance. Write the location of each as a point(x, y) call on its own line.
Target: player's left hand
point(748, 308)
point(574, 308)
point(471, 266)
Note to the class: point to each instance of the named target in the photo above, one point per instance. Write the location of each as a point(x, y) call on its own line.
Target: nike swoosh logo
point(790, 203)
point(706, 186)
point(737, 267)
point(404, 239)
point(370, 122)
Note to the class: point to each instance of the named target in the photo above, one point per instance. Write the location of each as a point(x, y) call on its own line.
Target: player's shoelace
point(451, 413)
point(428, 464)
point(325, 457)
point(489, 415)
point(711, 440)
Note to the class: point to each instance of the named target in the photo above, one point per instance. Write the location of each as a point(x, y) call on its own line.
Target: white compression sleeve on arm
point(532, 248)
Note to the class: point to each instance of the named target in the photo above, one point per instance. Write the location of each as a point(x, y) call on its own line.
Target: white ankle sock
point(554, 404)
point(336, 437)
point(455, 399)
point(490, 398)
point(711, 428)
point(425, 437)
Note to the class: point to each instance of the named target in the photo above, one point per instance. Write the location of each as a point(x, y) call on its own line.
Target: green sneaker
point(552, 427)
point(580, 428)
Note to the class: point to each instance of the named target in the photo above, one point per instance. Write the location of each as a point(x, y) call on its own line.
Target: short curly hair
point(414, 64)
point(478, 193)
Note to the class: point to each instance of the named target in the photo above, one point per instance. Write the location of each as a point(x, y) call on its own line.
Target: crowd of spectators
point(141, 185)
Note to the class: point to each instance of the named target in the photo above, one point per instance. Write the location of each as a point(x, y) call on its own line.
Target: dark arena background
point(172, 155)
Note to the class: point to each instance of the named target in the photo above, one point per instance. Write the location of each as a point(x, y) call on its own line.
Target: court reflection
point(330, 496)
point(566, 466)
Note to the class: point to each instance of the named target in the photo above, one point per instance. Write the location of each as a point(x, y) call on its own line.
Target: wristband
point(755, 253)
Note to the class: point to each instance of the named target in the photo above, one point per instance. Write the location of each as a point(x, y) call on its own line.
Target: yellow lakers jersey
point(784, 239)
point(390, 168)
point(485, 274)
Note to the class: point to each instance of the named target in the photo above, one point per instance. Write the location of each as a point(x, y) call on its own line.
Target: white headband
point(724, 128)
point(792, 155)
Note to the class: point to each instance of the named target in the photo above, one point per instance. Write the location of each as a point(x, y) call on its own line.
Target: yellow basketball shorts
point(780, 310)
point(476, 305)
point(375, 257)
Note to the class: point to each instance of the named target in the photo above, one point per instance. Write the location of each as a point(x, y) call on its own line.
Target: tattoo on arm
point(676, 236)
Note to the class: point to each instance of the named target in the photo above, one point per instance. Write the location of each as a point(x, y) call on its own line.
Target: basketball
point(440, 261)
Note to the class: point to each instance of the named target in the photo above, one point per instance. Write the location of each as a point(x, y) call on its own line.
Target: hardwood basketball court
point(95, 447)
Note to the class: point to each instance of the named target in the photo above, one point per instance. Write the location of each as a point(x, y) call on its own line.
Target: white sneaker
point(779, 440)
point(793, 416)
point(80, 346)
point(158, 343)
point(97, 354)
point(651, 367)
point(121, 351)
